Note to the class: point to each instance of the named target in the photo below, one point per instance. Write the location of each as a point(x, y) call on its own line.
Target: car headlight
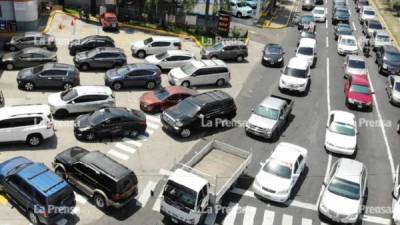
point(257, 183)
point(282, 192)
point(385, 66)
point(323, 207)
point(84, 129)
point(280, 59)
point(178, 124)
point(350, 100)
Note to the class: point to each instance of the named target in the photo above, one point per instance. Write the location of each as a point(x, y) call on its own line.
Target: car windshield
point(397, 86)
point(18, 168)
point(359, 89)
point(278, 168)
point(345, 188)
point(306, 34)
point(305, 51)
point(358, 64)
point(91, 53)
point(393, 56)
point(273, 50)
point(383, 38)
point(348, 42)
point(162, 94)
point(295, 72)
point(319, 11)
point(68, 95)
point(345, 32)
point(307, 19)
point(342, 12)
point(123, 70)
point(148, 41)
point(161, 55)
point(218, 46)
point(181, 196)
point(187, 108)
point(369, 12)
point(342, 128)
point(37, 69)
point(96, 118)
point(265, 112)
point(375, 26)
point(343, 25)
point(188, 68)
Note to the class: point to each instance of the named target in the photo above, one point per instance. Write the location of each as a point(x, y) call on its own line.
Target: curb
point(270, 23)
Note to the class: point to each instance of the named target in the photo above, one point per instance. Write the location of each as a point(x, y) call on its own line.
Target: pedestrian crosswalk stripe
point(153, 118)
point(249, 215)
point(157, 203)
point(268, 217)
point(230, 218)
point(153, 125)
point(132, 142)
point(305, 221)
point(125, 148)
point(79, 198)
point(144, 197)
point(287, 219)
point(118, 155)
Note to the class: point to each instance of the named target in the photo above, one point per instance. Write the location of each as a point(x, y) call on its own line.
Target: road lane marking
point(149, 131)
point(145, 196)
point(165, 172)
point(354, 26)
point(268, 218)
point(305, 221)
point(373, 219)
point(118, 154)
point(79, 198)
point(3, 200)
point(153, 125)
point(249, 214)
point(287, 219)
point(125, 148)
point(327, 42)
point(328, 85)
point(230, 218)
point(132, 142)
point(157, 203)
point(153, 118)
point(326, 24)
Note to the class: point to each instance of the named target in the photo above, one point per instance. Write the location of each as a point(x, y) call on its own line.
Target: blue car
point(44, 196)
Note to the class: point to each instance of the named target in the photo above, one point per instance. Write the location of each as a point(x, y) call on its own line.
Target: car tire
point(220, 82)
point(67, 86)
point(116, 86)
point(214, 57)
point(60, 172)
point(185, 133)
point(239, 15)
point(141, 54)
point(151, 85)
point(85, 67)
point(90, 136)
point(29, 86)
point(398, 127)
point(61, 113)
point(34, 140)
point(12, 48)
point(185, 84)
point(239, 58)
point(33, 218)
point(99, 201)
point(10, 66)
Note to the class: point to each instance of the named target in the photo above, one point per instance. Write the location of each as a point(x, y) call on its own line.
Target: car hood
point(74, 42)
point(341, 140)
point(178, 73)
point(262, 122)
point(112, 74)
point(340, 205)
point(368, 17)
point(363, 98)
point(9, 56)
point(25, 73)
point(138, 44)
point(55, 100)
point(293, 80)
point(177, 115)
point(245, 8)
point(152, 59)
point(149, 98)
point(309, 58)
point(272, 182)
point(272, 56)
point(10, 164)
point(348, 47)
point(82, 121)
point(355, 71)
point(70, 155)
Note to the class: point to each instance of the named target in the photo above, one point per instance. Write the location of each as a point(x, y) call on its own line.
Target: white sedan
point(341, 133)
point(280, 172)
point(319, 14)
point(170, 59)
point(347, 44)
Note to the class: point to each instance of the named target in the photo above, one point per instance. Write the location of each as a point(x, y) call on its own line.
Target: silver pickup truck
point(269, 117)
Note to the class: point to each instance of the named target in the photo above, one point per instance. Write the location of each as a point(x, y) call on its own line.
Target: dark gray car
point(226, 50)
point(100, 58)
point(133, 75)
point(31, 39)
point(49, 75)
point(27, 57)
point(273, 55)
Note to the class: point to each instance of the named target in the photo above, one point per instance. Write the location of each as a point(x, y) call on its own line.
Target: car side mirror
point(324, 183)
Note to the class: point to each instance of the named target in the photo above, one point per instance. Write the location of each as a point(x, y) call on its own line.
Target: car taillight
point(76, 77)
point(49, 124)
point(45, 214)
point(117, 197)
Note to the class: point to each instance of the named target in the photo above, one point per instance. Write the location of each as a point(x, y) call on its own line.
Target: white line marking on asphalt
point(378, 220)
point(326, 24)
point(305, 221)
point(250, 213)
point(268, 218)
point(287, 219)
point(327, 42)
point(165, 172)
point(125, 148)
point(79, 198)
point(149, 131)
point(118, 155)
point(153, 118)
point(157, 203)
point(132, 142)
point(354, 26)
point(145, 196)
point(328, 85)
point(350, 12)
point(230, 218)
point(153, 125)
point(388, 149)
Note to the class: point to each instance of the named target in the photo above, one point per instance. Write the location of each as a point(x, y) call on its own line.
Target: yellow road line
point(3, 200)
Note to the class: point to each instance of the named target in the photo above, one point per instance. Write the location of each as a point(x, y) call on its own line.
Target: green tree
point(396, 6)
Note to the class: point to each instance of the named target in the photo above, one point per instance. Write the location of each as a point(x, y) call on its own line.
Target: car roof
point(109, 49)
point(166, 38)
point(208, 63)
point(23, 110)
point(112, 112)
point(99, 37)
point(343, 116)
point(84, 90)
point(382, 33)
point(373, 21)
point(135, 66)
point(180, 52)
point(349, 169)
point(297, 62)
point(287, 152)
point(307, 42)
point(35, 50)
point(360, 79)
point(235, 43)
point(356, 58)
point(181, 177)
point(396, 79)
point(272, 102)
point(63, 66)
point(210, 96)
point(33, 33)
point(319, 8)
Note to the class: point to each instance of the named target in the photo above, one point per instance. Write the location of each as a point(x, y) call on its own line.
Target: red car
point(109, 21)
point(358, 92)
point(159, 100)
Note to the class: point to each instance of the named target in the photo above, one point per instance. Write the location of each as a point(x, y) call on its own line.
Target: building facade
point(19, 15)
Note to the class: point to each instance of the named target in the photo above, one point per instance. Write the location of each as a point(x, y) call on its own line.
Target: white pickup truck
point(193, 192)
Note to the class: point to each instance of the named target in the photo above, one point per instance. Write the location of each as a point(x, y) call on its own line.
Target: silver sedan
point(393, 89)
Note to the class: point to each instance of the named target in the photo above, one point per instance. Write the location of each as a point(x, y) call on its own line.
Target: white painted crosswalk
point(125, 148)
point(118, 154)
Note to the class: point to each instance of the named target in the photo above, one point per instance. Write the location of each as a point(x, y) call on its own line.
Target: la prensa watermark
point(362, 122)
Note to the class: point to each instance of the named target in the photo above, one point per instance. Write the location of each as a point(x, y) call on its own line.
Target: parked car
point(27, 57)
point(31, 39)
point(306, 22)
point(295, 76)
point(341, 15)
point(160, 100)
point(339, 3)
point(133, 75)
point(342, 29)
point(319, 14)
point(100, 58)
point(380, 38)
point(307, 50)
point(36, 190)
point(89, 43)
point(388, 60)
point(367, 13)
point(170, 59)
point(103, 179)
point(202, 72)
point(358, 93)
point(371, 26)
point(273, 54)
point(197, 111)
point(345, 191)
point(240, 9)
point(360, 4)
point(269, 117)
point(110, 122)
point(308, 4)
point(49, 75)
point(392, 86)
point(252, 3)
point(347, 44)
point(155, 45)
point(80, 99)
point(226, 50)
point(109, 21)
point(341, 133)
point(355, 65)
point(26, 123)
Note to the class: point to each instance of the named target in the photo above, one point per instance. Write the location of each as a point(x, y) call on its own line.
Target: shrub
point(396, 6)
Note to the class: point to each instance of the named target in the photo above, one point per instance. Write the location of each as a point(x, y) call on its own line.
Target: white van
point(155, 45)
point(307, 50)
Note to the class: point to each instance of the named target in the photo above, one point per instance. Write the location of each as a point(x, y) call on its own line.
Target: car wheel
point(10, 66)
point(34, 140)
point(29, 86)
point(85, 67)
point(60, 172)
point(99, 201)
point(141, 54)
point(239, 15)
point(67, 86)
point(61, 113)
point(90, 136)
point(33, 218)
point(185, 133)
point(220, 82)
point(12, 48)
point(151, 85)
point(214, 57)
point(239, 58)
point(116, 86)
point(185, 84)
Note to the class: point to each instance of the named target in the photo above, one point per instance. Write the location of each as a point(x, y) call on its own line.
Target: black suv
point(31, 39)
point(49, 75)
point(89, 43)
point(110, 122)
point(198, 111)
point(341, 15)
point(106, 181)
point(102, 57)
point(388, 60)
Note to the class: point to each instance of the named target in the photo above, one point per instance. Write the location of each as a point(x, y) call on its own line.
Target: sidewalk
point(282, 15)
point(392, 23)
